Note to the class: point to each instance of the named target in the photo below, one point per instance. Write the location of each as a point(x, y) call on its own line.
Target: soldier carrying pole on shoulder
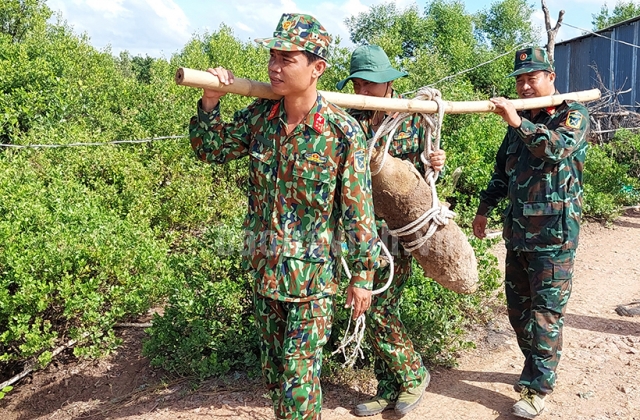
point(539, 170)
point(308, 178)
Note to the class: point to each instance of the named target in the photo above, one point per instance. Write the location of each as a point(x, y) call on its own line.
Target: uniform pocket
point(553, 280)
point(544, 223)
point(313, 183)
point(302, 266)
point(261, 164)
point(563, 270)
point(404, 143)
point(546, 208)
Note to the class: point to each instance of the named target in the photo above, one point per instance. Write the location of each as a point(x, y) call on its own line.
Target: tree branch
point(551, 32)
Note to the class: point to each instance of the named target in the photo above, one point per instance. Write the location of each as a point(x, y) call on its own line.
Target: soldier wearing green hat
point(402, 378)
point(308, 178)
point(539, 170)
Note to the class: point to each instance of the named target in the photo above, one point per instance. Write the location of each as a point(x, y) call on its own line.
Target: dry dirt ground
point(598, 374)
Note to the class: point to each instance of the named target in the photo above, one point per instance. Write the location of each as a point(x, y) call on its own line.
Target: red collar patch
point(274, 111)
point(551, 110)
point(318, 122)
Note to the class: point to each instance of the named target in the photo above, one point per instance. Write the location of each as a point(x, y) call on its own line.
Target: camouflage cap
point(531, 59)
point(298, 32)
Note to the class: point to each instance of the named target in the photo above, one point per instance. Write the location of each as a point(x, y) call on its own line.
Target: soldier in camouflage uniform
point(308, 176)
point(539, 170)
point(402, 378)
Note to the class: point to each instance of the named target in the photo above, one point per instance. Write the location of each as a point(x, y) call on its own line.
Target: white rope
point(438, 215)
point(106, 143)
point(356, 337)
point(360, 324)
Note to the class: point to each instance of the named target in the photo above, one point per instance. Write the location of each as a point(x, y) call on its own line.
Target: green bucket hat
point(531, 59)
point(370, 62)
point(297, 32)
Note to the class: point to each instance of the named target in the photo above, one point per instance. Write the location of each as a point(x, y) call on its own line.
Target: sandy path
point(598, 375)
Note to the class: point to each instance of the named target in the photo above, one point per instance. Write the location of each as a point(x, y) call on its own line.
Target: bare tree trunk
point(551, 32)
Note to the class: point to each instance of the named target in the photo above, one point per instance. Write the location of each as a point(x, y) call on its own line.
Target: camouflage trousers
point(291, 339)
point(538, 286)
point(397, 365)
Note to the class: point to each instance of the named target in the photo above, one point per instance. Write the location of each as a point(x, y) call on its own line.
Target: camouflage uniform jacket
point(301, 186)
point(539, 169)
point(406, 145)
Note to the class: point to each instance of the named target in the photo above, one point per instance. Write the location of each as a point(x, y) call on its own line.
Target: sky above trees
point(162, 27)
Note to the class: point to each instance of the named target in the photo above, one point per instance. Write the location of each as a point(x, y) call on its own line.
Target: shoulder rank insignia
point(574, 119)
point(360, 163)
point(318, 122)
point(315, 157)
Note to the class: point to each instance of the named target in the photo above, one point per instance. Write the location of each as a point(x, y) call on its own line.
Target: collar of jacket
point(315, 119)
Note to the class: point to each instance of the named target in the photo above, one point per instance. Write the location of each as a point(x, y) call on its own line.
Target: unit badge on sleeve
point(574, 119)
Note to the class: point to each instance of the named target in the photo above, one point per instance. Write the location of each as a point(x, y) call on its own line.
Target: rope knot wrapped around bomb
point(408, 201)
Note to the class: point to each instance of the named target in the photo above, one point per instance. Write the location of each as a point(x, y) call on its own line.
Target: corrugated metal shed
point(581, 62)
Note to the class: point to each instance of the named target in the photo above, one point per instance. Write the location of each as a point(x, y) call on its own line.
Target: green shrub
point(608, 185)
point(70, 266)
point(207, 327)
point(625, 149)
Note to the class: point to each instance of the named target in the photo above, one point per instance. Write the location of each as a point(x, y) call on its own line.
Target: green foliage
point(207, 327)
point(88, 236)
point(20, 18)
point(623, 10)
point(436, 318)
point(506, 24)
point(625, 149)
point(471, 144)
point(69, 264)
point(92, 236)
point(4, 391)
point(502, 27)
point(610, 176)
point(400, 33)
point(446, 39)
point(452, 32)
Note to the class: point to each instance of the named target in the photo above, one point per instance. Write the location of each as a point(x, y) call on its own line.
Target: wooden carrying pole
point(246, 87)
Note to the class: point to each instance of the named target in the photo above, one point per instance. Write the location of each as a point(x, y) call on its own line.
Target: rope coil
point(359, 326)
point(438, 215)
